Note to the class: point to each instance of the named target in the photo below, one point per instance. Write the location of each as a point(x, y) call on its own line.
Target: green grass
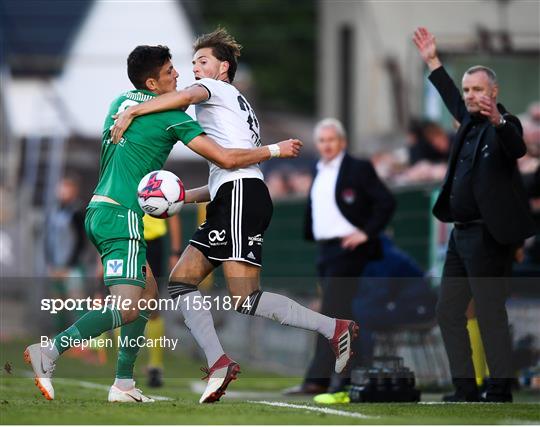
point(21, 402)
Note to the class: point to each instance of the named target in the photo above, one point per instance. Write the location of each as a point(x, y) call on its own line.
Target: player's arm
point(427, 48)
point(168, 101)
point(234, 158)
point(425, 43)
point(198, 195)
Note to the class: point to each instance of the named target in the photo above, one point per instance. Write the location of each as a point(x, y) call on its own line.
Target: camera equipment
point(386, 381)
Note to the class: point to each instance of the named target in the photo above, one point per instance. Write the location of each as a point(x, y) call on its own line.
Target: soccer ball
point(161, 194)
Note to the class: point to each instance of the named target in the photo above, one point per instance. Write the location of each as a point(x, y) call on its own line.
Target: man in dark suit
point(483, 196)
point(348, 207)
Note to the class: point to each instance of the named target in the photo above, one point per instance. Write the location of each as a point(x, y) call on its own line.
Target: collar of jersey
point(146, 92)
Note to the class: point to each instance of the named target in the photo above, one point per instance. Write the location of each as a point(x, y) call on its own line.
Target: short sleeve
point(212, 86)
point(185, 129)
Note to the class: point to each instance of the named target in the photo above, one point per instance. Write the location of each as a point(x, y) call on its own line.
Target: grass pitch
point(81, 398)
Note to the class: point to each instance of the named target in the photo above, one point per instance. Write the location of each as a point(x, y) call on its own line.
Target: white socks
point(201, 325)
point(288, 312)
point(124, 384)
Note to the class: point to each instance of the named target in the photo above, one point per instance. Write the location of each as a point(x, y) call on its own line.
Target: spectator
point(392, 293)
point(64, 244)
point(428, 141)
point(348, 207)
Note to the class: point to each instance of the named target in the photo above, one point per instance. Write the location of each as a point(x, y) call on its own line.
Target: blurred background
point(62, 62)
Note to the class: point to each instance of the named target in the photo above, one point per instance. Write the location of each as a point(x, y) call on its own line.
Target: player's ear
point(495, 91)
point(224, 67)
point(151, 84)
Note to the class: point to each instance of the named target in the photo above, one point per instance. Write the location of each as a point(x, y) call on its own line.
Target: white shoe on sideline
point(43, 368)
point(134, 395)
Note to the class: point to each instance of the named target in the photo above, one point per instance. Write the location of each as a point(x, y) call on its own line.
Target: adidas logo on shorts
point(250, 255)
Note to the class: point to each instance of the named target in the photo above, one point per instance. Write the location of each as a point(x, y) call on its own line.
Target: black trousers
point(476, 267)
point(338, 271)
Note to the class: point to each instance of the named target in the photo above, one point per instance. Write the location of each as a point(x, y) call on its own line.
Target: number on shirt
point(251, 120)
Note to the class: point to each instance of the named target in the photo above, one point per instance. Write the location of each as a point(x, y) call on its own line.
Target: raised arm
point(168, 101)
point(234, 158)
point(425, 42)
point(427, 47)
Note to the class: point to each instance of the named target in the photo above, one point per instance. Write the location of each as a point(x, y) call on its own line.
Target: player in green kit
point(114, 219)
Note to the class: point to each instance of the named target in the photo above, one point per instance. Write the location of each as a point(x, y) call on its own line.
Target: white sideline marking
point(328, 411)
point(88, 384)
point(199, 387)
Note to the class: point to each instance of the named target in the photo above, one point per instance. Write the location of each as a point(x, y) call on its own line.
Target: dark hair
point(224, 47)
point(145, 62)
point(489, 72)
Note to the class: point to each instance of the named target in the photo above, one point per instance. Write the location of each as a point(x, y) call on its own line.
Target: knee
point(177, 289)
point(247, 304)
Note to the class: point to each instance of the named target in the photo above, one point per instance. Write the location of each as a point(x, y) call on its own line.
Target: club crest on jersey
point(114, 267)
point(348, 195)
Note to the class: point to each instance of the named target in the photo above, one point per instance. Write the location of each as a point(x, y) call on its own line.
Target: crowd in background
point(421, 159)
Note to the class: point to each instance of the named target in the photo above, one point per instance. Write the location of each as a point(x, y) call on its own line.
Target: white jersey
point(228, 118)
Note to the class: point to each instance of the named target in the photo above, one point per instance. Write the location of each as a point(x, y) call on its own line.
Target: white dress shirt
point(328, 221)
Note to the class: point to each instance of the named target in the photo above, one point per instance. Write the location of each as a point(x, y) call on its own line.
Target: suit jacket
point(363, 200)
point(497, 184)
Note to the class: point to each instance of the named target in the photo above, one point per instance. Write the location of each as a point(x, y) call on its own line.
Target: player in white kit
point(237, 216)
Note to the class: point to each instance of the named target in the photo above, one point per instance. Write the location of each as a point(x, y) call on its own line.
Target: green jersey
point(145, 146)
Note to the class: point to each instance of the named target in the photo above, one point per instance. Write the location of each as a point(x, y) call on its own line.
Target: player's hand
point(121, 123)
point(425, 43)
point(352, 241)
point(289, 148)
point(488, 108)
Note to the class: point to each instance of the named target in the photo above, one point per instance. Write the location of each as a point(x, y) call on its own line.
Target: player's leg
point(114, 231)
point(123, 389)
point(189, 272)
point(92, 324)
point(243, 281)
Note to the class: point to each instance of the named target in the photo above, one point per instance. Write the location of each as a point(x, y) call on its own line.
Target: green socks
point(92, 324)
point(128, 346)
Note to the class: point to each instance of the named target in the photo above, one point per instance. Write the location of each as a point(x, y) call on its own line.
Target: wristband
point(274, 150)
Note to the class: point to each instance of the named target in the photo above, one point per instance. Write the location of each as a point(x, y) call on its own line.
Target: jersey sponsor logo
point(115, 267)
point(217, 238)
point(152, 188)
point(255, 239)
point(250, 255)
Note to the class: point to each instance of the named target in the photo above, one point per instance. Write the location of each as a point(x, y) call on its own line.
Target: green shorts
point(117, 233)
